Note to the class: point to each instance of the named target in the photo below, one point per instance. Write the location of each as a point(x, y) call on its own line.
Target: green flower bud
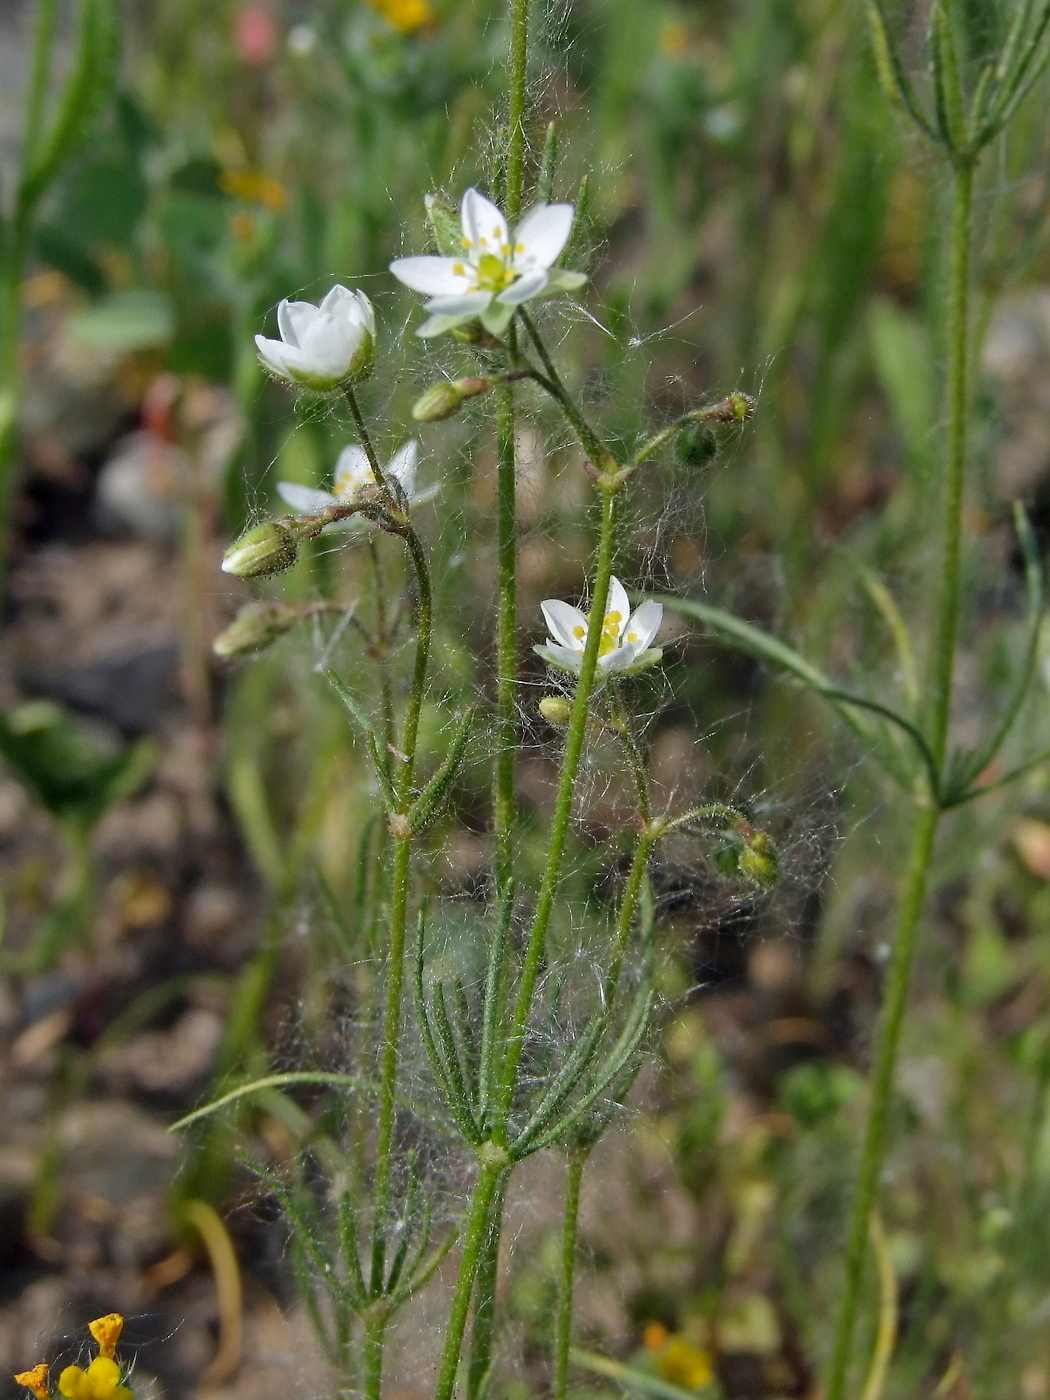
point(695, 445)
point(758, 859)
point(556, 710)
point(254, 628)
point(267, 548)
point(445, 223)
point(472, 332)
point(443, 400)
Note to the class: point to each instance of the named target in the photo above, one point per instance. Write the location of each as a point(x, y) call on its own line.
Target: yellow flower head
point(101, 1381)
point(405, 15)
point(106, 1331)
point(35, 1380)
point(676, 1359)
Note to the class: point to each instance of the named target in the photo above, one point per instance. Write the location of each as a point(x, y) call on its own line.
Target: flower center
point(493, 274)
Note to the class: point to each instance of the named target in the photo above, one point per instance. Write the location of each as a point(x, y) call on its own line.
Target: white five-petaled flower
point(352, 474)
point(322, 347)
point(625, 635)
point(497, 270)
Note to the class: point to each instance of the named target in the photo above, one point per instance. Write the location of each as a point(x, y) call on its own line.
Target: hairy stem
point(928, 809)
point(551, 381)
point(570, 766)
point(485, 1303)
point(486, 1195)
point(567, 1274)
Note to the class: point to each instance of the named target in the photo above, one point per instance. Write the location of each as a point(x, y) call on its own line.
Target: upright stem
point(928, 812)
point(506, 638)
point(567, 1273)
point(485, 1302)
point(958, 392)
point(562, 811)
point(519, 75)
point(479, 1225)
point(399, 883)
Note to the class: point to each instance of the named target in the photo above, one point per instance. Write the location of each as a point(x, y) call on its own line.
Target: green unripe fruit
point(695, 445)
point(254, 628)
point(268, 548)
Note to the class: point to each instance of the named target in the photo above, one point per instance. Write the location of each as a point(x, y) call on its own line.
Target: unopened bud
point(735, 408)
point(443, 400)
point(695, 445)
point(556, 710)
point(758, 859)
point(472, 333)
point(267, 548)
point(254, 628)
point(446, 225)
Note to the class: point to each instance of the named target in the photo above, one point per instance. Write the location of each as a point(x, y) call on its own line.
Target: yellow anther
point(465, 242)
point(101, 1381)
point(579, 632)
point(519, 247)
point(459, 269)
point(632, 637)
point(106, 1331)
point(613, 619)
point(35, 1380)
point(504, 248)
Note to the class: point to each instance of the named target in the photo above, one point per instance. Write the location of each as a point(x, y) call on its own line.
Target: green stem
point(367, 444)
point(551, 381)
point(519, 74)
point(399, 889)
point(485, 1303)
point(486, 1191)
point(515, 1042)
point(947, 614)
point(635, 761)
point(375, 1344)
point(567, 1273)
point(506, 639)
point(873, 1150)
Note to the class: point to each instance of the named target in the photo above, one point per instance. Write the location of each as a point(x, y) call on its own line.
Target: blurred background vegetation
point(182, 841)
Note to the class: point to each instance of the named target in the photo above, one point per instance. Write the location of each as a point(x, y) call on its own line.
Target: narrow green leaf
point(270, 1081)
point(431, 799)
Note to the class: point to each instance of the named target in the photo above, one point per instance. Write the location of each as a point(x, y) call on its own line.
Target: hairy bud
point(759, 860)
point(254, 628)
point(267, 548)
point(443, 400)
point(556, 710)
point(695, 445)
point(446, 226)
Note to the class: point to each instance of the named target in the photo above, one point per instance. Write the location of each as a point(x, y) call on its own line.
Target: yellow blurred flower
point(254, 187)
point(674, 38)
point(677, 1359)
point(405, 15)
point(35, 1380)
point(101, 1381)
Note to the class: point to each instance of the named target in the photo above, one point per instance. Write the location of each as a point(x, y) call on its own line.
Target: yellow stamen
point(459, 269)
point(579, 632)
point(519, 247)
point(632, 637)
point(35, 1380)
point(106, 1331)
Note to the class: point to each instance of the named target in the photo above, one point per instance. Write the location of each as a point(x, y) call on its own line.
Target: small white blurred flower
point(625, 635)
point(302, 39)
point(322, 347)
point(497, 270)
point(352, 474)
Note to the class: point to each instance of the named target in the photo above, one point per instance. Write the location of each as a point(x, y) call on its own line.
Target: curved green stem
point(367, 444)
point(551, 381)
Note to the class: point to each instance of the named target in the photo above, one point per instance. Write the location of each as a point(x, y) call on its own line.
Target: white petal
point(434, 276)
point(274, 354)
point(560, 280)
point(617, 660)
point(294, 319)
point(438, 325)
point(304, 500)
point(483, 224)
point(341, 301)
point(562, 657)
point(530, 284)
point(351, 472)
point(563, 620)
point(544, 231)
point(329, 346)
point(644, 625)
point(466, 304)
point(402, 465)
point(618, 602)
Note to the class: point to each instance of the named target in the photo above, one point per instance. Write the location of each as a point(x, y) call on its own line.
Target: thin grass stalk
point(929, 808)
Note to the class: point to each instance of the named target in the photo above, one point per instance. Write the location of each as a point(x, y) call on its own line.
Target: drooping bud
point(695, 445)
point(267, 548)
point(556, 710)
point(255, 627)
point(446, 226)
point(443, 400)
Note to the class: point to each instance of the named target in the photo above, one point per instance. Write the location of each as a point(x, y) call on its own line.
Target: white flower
point(497, 271)
point(322, 347)
point(352, 473)
point(625, 635)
